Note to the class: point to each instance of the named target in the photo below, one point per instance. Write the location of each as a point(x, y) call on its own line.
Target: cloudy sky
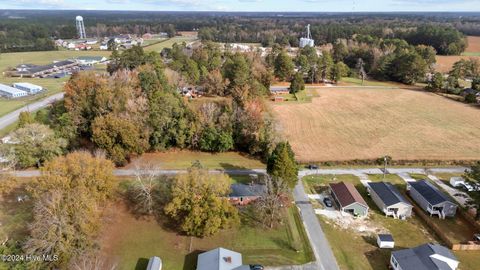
point(249, 5)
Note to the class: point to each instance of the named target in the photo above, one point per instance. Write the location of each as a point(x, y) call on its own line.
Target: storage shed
point(155, 263)
point(385, 241)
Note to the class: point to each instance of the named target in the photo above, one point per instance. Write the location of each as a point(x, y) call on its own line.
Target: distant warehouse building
point(10, 92)
point(32, 71)
point(32, 89)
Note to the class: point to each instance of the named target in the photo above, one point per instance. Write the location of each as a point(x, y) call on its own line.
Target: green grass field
point(358, 82)
point(471, 54)
point(139, 239)
point(167, 43)
point(183, 159)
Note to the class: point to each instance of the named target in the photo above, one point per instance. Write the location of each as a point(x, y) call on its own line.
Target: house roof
point(430, 192)
point(346, 194)
point(388, 193)
point(385, 237)
point(219, 259)
point(420, 258)
point(242, 190)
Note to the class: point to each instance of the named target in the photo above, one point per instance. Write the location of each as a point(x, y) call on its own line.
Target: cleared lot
point(346, 124)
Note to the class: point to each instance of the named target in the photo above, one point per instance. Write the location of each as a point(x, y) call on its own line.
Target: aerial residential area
point(239, 135)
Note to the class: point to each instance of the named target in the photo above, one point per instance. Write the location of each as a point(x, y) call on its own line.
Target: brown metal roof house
point(348, 199)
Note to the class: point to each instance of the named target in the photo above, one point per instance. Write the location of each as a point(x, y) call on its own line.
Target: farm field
point(183, 159)
point(130, 242)
point(445, 63)
point(345, 124)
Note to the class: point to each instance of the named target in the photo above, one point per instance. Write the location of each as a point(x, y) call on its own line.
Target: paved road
point(325, 260)
point(131, 172)
point(10, 118)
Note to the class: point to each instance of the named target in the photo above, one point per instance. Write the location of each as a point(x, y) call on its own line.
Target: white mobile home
point(389, 200)
point(32, 89)
point(10, 92)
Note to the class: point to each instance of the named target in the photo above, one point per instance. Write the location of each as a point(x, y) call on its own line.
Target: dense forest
point(32, 30)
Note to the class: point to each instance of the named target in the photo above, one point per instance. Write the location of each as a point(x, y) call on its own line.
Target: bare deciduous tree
point(91, 261)
point(142, 192)
point(274, 198)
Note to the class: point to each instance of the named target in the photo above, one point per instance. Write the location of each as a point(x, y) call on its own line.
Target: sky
point(249, 5)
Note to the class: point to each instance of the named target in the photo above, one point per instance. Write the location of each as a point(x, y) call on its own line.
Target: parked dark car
point(312, 167)
point(327, 202)
point(256, 267)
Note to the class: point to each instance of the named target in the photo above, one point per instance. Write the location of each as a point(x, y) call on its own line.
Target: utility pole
point(384, 167)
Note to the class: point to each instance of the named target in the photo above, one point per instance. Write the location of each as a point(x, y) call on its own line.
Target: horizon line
point(239, 11)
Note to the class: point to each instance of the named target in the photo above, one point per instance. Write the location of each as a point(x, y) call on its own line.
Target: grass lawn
point(392, 178)
point(471, 54)
point(316, 183)
point(358, 82)
point(14, 215)
point(418, 176)
point(167, 43)
point(132, 241)
point(183, 159)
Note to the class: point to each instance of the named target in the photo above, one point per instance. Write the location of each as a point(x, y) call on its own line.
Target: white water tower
point(80, 27)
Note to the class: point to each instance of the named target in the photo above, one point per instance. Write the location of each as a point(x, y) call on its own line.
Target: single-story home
point(221, 259)
point(387, 197)
point(155, 263)
point(431, 199)
point(424, 257)
point(385, 241)
point(244, 194)
point(348, 199)
point(457, 181)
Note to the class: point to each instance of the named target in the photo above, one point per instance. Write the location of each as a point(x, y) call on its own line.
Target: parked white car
point(468, 187)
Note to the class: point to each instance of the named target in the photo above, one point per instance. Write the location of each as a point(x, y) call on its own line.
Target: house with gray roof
point(221, 259)
point(243, 194)
point(431, 199)
point(387, 197)
point(424, 257)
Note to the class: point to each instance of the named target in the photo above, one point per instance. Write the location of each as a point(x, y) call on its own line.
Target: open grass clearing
point(130, 242)
point(351, 81)
point(168, 43)
point(345, 124)
point(183, 159)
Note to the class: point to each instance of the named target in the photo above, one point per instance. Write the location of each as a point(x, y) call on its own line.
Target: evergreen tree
point(282, 164)
point(297, 84)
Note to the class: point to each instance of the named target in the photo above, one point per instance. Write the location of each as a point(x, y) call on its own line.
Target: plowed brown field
point(445, 63)
point(347, 124)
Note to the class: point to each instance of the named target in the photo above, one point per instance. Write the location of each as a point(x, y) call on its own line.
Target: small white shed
point(155, 263)
point(385, 241)
point(457, 181)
